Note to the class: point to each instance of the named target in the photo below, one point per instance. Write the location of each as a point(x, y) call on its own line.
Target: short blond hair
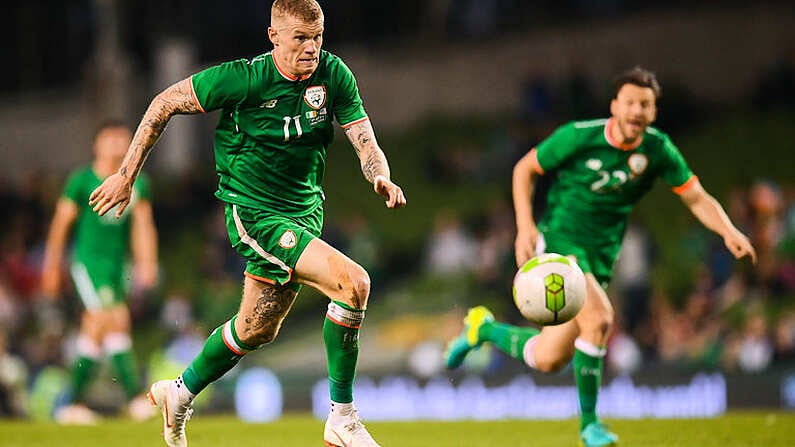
point(304, 10)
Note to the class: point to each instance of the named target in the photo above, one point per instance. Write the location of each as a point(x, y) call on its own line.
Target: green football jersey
point(101, 243)
point(272, 135)
point(598, 183)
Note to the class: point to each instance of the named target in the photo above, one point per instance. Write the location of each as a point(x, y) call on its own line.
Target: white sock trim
point(589, 348)
point(529, 352)
point(344, 317)
point(229, 339)
point(116, 342)
point(86, 347)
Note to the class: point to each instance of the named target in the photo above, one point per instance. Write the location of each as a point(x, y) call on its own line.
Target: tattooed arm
point(177, 99)
point(374, 164)
point(372, 158)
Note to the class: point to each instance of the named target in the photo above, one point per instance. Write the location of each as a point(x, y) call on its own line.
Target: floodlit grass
point(769, 429)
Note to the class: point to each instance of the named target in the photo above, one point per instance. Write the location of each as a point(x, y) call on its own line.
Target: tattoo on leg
point(269, 311)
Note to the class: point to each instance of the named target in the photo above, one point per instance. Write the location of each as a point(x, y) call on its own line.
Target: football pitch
point(769, 429)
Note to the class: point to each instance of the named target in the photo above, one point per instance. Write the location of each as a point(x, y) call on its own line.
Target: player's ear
point(614, 107)
point(273, 36)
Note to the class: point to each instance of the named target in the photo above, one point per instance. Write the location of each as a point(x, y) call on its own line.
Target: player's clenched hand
point(391, 192)
point(525, 245)
point(739, 245)
point(115, 190)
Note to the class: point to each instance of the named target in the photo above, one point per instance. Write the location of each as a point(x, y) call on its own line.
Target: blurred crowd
point(733, 316)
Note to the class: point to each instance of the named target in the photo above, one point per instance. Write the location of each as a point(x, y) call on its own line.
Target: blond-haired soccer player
point(270, 150)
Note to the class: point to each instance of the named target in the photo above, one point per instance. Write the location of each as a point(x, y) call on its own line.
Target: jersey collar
point(612, 141)
point(285, 74)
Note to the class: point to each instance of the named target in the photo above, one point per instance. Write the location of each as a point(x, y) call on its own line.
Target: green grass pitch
point(769, 429)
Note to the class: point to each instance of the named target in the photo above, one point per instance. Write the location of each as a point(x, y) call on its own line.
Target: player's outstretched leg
point(344, 429)
point(469, 339)
point(596, 434)
point(175, 403)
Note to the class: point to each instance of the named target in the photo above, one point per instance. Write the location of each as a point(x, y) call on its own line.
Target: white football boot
point(344, 429)
point(176, 411)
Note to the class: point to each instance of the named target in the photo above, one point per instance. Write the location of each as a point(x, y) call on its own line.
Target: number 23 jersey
point(599, 181)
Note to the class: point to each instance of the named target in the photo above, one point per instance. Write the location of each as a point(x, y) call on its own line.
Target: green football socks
point(588, 364)
point(221, 352)
point(118, 346)
point(507, 338)
point(83, 370)
point(341, 336)
point(124, 365)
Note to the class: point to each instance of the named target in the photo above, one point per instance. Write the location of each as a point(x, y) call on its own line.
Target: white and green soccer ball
point(549, 289)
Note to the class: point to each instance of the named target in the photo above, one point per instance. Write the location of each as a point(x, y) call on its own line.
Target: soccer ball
point(549, 289)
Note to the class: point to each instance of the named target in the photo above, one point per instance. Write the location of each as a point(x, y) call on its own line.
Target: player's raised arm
point(525, 173)
point(374, 164)
point(116, 189)
point(710, 213)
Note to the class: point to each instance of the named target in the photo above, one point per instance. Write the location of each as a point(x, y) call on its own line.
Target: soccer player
point(602, 167)
point(270, 148)
point(102, 246)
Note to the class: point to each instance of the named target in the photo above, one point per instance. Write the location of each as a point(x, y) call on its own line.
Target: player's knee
point(361, 288)
point(599, 323)
point(354, 287)
point(606, 321)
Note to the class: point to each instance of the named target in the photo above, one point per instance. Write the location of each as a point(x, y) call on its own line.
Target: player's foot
point(140, 408)
point(76, 414)
point(164, 395)
point(347, 431)
point(596, 434)
point(459, 347)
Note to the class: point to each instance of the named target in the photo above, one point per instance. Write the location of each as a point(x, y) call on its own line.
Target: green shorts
point(598, 260)
point(98, 287)
point(271, 242)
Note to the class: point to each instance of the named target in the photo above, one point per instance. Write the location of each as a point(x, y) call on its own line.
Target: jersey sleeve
point(74, 190)
point(675, 170)
point(222, 85)
point(556, 148)
point(348, 105)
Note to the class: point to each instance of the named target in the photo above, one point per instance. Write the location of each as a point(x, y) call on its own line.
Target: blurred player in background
point(99, 269)
point(270, 147)
point(603, 168)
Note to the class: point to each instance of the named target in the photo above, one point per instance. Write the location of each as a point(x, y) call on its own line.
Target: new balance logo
point(269, 104)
